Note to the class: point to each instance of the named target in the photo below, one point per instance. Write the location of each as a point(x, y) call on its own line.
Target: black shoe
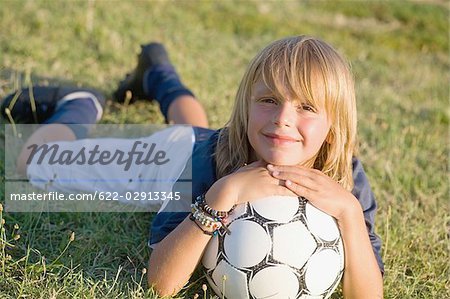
point(19, 106)
point(151, 55)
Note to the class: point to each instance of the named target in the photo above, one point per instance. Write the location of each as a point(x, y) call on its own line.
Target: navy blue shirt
point(203, 170)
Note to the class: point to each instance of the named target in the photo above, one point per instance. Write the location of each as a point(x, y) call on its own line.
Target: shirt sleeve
point(363, 192)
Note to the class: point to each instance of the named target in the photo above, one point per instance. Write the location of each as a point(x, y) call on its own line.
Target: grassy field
point(400, 56)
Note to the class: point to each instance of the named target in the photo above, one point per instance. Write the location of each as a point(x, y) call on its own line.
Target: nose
point(285, 114)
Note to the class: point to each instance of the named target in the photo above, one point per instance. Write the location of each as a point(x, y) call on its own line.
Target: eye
point(268, 100)
point(307, 107)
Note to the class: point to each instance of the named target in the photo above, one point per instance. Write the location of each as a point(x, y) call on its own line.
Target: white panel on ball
point(235, 284)
point(317, 280)
point(286, 208)
point(247, 234)
point(283, 283)
point(288, 237)
point(321, 224)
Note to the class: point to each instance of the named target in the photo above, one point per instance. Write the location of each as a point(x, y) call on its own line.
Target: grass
point(400, 56)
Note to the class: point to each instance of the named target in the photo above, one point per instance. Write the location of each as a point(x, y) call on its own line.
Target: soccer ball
point(279, 247)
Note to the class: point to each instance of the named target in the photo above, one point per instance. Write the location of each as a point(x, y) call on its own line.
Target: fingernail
point(275, 173)
point(288, 183)
point(269, 166)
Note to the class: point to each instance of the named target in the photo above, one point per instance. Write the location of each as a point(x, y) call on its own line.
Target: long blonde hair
point(311, 70)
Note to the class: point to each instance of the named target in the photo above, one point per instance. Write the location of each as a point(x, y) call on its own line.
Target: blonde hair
point(313, 71)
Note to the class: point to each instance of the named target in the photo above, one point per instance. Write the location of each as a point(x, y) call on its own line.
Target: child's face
point(282, 131)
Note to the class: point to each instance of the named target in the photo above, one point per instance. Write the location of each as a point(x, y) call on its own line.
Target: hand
point(249, 183)
point(319, 189)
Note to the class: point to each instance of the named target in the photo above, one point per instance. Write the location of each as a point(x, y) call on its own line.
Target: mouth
point(280, 139)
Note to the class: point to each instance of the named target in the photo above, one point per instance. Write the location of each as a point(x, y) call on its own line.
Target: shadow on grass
point(11, 80)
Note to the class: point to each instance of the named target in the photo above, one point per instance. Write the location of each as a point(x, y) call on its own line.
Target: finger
point(296, 178)
point(300, 190)
point(309, 172)
point(276, 186)
point(268, 180)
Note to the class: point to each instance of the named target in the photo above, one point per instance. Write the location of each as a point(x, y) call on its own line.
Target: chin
point(282, 161)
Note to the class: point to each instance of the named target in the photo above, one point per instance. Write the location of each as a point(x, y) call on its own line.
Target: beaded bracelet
point(208, 221)
point(204, 219)
point(201, 204)
point(191, 217)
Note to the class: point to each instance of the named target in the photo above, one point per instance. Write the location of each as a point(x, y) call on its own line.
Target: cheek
point(252, 126)
point(256, 119)
point(250, 123)
point(315, 129)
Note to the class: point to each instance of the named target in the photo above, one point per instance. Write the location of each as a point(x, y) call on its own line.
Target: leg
point(156, 78)
point(65, 111)
point(187, 110)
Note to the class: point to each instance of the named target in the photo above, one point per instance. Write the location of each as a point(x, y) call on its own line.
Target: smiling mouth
point(280, 139)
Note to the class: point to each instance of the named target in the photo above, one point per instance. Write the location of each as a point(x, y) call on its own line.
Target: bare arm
point(362, 277)
point(47, 133)
point(175, 258)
